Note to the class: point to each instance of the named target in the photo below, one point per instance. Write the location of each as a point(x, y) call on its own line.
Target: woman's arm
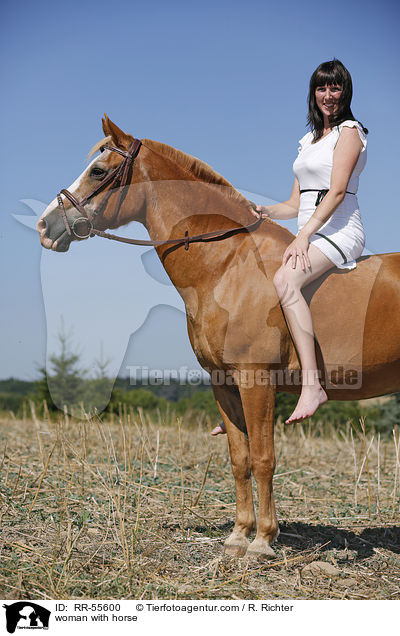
point(345, 157)
point(287, 210)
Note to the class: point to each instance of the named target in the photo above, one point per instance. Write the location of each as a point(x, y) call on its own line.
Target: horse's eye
point(98, 173)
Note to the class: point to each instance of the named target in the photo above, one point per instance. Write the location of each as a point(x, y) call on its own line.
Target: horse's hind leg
point(230, 406)
point(259, 406)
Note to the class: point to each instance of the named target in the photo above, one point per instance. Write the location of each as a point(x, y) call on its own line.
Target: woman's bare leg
point(288, 283)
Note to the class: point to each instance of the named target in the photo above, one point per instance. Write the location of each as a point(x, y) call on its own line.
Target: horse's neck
point(177, 202)
point(194, 206)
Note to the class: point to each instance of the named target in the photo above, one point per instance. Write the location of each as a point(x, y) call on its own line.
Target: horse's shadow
point(300, 536)
point(303, 536)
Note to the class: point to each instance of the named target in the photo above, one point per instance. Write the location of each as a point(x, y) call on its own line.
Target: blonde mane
point(99, 145)
point(199, 169)
point(196, 167)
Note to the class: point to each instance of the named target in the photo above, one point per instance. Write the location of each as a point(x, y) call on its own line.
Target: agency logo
point(26, 615)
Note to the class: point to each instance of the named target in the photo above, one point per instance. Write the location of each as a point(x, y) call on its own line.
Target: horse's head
point(100, 197)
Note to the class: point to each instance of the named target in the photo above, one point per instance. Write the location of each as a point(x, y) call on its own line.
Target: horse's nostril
point(41, 226)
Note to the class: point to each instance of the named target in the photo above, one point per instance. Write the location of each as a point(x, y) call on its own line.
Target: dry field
point(138, 507)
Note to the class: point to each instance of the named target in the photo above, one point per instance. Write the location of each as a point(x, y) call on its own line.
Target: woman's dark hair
point(330, 73)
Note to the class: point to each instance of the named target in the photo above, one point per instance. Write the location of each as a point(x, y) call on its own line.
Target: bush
point(136, 398)
point(10, 402)
point(202, 401)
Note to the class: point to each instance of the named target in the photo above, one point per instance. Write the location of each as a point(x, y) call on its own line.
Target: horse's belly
point(230, 341)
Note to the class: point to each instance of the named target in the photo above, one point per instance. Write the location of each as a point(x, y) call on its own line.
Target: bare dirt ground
point(139, 507)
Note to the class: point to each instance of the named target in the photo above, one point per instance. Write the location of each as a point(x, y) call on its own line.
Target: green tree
point(97, 391)
point(42, 392)
point(65, 384)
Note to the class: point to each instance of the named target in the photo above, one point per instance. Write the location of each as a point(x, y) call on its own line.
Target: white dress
point(342, 237)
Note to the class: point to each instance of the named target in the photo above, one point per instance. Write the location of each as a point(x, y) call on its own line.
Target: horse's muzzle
point(52, 233)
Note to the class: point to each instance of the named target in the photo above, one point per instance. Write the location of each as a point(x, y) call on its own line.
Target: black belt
point(321, 194)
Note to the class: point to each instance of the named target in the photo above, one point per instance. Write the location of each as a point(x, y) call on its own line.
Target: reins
point(120, 177)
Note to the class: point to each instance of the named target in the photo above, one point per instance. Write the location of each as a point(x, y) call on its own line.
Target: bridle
point(120, 177)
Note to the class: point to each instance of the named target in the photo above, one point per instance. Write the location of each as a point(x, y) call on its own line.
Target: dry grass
point(139, 508)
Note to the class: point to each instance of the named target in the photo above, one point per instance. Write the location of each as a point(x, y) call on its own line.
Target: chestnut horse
point(235, 322)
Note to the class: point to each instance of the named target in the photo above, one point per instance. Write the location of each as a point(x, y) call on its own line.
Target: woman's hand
point(262, 209)
point(298, 249)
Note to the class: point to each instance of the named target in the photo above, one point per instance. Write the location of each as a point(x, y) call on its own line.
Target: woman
point(330, 231)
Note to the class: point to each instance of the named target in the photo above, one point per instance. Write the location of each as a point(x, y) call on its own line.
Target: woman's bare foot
point(219, 430)
point(310, 399)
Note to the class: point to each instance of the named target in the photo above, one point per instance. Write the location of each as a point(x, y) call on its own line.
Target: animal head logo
point(26, 615)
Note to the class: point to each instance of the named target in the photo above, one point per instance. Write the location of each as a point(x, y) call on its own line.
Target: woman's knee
point(283, 280)
point(278, 279)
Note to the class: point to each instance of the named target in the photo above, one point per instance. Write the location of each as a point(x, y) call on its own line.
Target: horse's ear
point(105, 125)
point(120, 139)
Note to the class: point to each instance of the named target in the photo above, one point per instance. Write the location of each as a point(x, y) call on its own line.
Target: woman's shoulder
point(353, 123)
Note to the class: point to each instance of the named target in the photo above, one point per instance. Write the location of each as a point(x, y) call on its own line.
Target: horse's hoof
point(235, 550)
point(260, 550)
point(236, 547)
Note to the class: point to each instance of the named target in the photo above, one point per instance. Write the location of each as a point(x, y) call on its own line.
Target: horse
point(222, 262)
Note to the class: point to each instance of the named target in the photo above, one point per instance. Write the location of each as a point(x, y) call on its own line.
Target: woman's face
point(327, 98)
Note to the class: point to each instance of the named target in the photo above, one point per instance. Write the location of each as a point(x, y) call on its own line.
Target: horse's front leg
point(259, 407)
point(230, 406)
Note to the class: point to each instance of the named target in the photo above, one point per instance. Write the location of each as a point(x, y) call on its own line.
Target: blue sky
point(224, 81)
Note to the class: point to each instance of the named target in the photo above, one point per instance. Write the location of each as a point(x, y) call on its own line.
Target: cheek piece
point(118, 178)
